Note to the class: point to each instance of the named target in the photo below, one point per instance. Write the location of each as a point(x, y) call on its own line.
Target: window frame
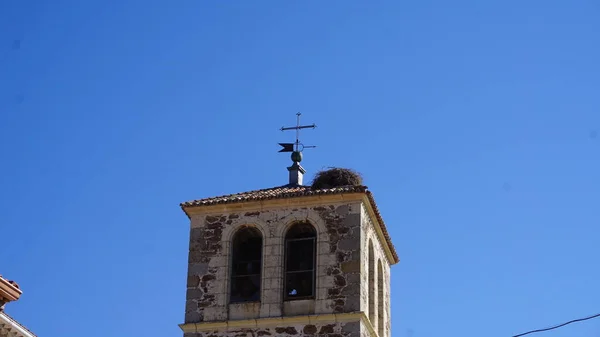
point(233, 263)
point(313, 238)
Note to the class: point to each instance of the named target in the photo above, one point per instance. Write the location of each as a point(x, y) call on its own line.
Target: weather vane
point(297, 146)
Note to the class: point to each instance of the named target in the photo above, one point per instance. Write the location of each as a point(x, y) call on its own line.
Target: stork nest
point(336, 177)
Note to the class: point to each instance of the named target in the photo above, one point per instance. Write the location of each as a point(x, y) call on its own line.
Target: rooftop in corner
point(9, 292)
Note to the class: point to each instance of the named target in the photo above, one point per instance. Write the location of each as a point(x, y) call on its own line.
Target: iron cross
point(290, 147)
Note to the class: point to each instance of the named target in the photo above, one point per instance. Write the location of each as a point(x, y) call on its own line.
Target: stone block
point(215, 314)
point(249, 310)
point(298, 307)
point(351, 266)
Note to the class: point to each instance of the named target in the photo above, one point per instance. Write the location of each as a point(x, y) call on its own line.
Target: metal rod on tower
point(297, 130)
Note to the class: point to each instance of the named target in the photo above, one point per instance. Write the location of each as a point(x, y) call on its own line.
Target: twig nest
point(336, 177)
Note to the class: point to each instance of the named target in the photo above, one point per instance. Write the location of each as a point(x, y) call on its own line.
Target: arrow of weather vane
point(287, 147)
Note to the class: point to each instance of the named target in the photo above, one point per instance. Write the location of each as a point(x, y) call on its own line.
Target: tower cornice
point(280, 321)
point(294, 196)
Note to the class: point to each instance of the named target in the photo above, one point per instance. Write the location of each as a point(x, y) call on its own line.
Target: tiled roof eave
point(271, 194)
point(284, 192)
point(9, 290)
point(383, 227)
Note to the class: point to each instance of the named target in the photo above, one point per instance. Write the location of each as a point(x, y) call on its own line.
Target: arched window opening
point(371, 272)
point(381, 314)
point(300, 254)
point(246, 265)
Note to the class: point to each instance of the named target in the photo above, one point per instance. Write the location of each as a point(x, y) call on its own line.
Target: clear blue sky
point(475, 123)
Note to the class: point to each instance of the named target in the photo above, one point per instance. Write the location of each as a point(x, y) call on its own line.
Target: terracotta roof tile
point(9, 290)
point(273, 193)
point(288, 191)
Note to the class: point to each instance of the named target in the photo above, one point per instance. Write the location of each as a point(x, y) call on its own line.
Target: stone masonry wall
point(369, 236)
point(351, 329)
point(339, 246)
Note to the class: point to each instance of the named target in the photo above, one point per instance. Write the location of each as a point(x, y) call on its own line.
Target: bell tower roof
point(293, 194)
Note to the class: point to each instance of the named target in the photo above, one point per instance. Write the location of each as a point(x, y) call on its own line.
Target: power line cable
point(558, 326)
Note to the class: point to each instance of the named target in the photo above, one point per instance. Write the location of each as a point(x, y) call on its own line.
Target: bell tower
point(291, 260)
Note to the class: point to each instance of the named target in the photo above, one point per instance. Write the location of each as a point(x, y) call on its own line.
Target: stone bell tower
point(292, 260)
